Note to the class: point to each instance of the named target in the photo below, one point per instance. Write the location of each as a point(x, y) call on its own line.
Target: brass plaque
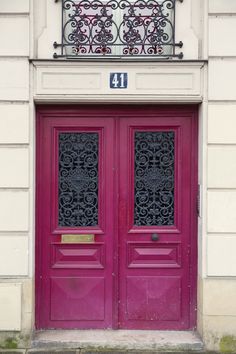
point(70, 238)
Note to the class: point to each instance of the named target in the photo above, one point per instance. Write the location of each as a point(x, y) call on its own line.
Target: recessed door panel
point(153, 255)
point(116, 217)
point(78, 256)
point(153, 298)
point(77, 298)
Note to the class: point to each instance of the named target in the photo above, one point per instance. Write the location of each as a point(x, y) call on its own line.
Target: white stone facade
point(206, 76)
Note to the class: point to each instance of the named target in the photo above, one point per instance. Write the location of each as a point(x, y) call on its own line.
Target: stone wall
point(15, 177)
point(218, 289)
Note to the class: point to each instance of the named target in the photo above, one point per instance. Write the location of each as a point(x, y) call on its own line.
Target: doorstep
point(118, 340)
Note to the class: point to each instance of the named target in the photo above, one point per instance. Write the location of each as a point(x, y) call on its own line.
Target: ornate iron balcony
point(118, 28)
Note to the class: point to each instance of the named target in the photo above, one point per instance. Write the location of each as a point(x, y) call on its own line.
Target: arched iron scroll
point(118, 28)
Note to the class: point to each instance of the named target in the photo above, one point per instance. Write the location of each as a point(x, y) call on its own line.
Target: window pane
point(154, 179)
point(78, 179)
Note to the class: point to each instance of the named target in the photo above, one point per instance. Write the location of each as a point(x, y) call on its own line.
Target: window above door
point(118, 28)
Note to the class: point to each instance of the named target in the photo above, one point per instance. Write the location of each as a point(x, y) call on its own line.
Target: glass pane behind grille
point(78, 179)
point(154, 179)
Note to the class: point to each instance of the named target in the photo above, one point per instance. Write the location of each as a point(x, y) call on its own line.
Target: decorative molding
point(89, 82)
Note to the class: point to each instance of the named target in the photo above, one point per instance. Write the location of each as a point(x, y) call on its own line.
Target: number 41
point(118, 80)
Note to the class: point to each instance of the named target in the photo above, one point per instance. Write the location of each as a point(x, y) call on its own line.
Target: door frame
point(161, 110)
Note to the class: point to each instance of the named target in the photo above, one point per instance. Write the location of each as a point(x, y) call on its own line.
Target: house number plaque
point(118, 80)
point(85, 238)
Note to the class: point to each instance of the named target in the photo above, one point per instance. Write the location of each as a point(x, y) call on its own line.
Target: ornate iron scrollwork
point(118, 28)
point(154, 179)
point(78, 179)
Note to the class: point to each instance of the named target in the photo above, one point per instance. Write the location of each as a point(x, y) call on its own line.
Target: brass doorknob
point(155, 237)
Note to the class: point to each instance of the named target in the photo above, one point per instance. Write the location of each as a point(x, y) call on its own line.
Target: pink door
point(116, 217)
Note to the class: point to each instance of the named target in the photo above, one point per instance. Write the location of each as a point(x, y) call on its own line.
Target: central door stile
point(116, 224)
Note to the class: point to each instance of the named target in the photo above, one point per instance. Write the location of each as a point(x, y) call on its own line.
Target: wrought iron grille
point(78, 179)
point(154, 179)
point(118, 28)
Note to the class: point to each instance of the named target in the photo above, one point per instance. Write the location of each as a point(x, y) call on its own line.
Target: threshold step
point(90, 341)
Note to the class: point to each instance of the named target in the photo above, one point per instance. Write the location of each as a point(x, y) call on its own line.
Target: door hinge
point(199, 194)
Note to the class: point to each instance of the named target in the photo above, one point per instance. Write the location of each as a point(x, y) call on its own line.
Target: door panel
point(75, 165)
point(147, 255)
point(153, 298)
point(116, 217)
point(155, 194)
point(83, 256)
point(82, 298)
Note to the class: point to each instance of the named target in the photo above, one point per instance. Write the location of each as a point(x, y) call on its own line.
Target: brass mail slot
point(70, 238)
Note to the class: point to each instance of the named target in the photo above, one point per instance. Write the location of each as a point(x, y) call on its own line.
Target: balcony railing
point(118, 28)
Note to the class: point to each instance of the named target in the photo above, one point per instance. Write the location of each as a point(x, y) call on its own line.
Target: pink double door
point(116, 217)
